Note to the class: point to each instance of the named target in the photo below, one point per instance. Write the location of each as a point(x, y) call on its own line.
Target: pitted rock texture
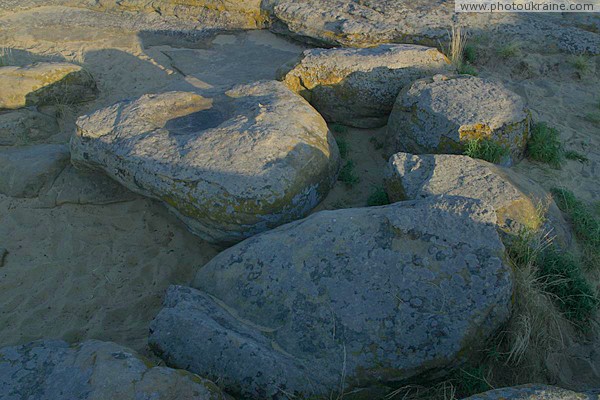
point(226, 14)
point(230, 166)
point(28, 171)
point(93, 370)
point(532, 392)
point(45, 83)
point(342, 300)
point(515, 198)
point(362, 23)
point(26, 126)
point(367, 23)
point(358, 87)
point(440, 114)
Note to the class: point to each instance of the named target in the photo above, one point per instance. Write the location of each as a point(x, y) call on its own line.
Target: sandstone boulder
point(45, 83)
point(358, 87)
point(440, 114)
point(25, 171)
point(532, 392)
point(367, 23)
point(342, 301)
point(517, 200)
point(25, 126)
point(362, 23)
point(93, 370)
point(229, 165)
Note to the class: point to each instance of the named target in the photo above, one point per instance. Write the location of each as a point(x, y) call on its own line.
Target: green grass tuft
point(544, 145)
point(576, 156)
point(585, 225)
point(581, 63)
point(562, 275)
point(470, 54)
point(378, 197)
point(470, 381)
point(593, 117)
point(485, 149)
point(348, 175)
point(509, 50)
point(343, 147)
point(467, 69)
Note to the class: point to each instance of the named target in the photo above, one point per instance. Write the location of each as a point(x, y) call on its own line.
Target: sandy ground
point(99, 271)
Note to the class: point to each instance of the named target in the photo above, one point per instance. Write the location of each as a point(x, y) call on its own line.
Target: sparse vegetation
point(378, 197)
point(376, 143)
point(562, 275)
point(5, 56)
point(581, 63)
point(593, 117)
point(576, 156)
point(338, 128)
point(544, 145)
point(348, 174)
point(459, 53)
point(509, 50)
point(585, 225)
point(467, 69)
point(343, 147)
point(485, 149)
point(470, 54)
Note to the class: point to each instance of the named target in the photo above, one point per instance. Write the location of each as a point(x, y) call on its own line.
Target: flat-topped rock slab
point(358, 87)
point(230, 166)
point(442, 113)
point(45, 83)
point(53, 369)
point(341, 300)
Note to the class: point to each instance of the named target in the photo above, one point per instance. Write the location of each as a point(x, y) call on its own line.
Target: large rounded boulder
point(342, 301)
point(518, 201)
point(93, 370)
point(442, 113)
point(229, 165)
point(358, 87)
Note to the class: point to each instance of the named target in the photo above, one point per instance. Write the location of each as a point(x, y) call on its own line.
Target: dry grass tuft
point(6, 57)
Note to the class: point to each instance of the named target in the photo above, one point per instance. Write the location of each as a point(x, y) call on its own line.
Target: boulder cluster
point(341, 303)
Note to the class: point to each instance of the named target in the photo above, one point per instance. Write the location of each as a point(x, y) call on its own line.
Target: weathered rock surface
point(362, 23)
point(25, 126)
point(53, 369)
point(342, 300)
point(25, 171)
point(240, 14)
point(229, 166)
point(532, 392)
point(246, 14)
point(365, 23)
point(515, 198)
point(439, 114)
point(45, 83)
point(358, 87)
